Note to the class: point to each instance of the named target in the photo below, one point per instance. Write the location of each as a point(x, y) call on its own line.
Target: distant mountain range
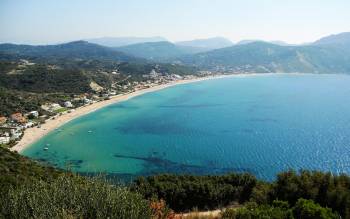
point(165, 50)
point(159, 51)
point(269, 57)
point(334, 40)
point(72, 50)
point(328, 55)
point(124, 41)
point(277, 42)
point(207, 44)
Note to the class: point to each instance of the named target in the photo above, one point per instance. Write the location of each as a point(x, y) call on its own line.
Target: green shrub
point(307, 209)
point(73, 197)
point(304, 209)
point(255, 211)
point(185, 192)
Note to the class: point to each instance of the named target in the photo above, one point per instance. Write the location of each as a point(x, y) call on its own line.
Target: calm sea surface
point(259, 124)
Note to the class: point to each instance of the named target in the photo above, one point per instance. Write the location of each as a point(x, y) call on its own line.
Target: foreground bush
point(328, 190)
point(72, 197)
point(186, 192)
point(183, 193)
point(304, 209)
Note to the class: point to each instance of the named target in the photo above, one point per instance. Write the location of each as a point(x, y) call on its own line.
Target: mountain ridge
point(269, 57)
point(124, 41)
point(76, 50)
point(158, 51)
point(208, 44)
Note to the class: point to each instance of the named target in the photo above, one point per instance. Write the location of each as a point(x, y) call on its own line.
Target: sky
point(56, 21)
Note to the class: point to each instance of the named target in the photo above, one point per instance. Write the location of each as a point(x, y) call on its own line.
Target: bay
point(261, 124)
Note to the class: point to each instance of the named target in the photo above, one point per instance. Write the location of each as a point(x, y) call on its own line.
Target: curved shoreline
point(31, 135)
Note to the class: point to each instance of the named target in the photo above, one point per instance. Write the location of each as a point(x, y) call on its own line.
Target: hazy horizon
point(52, 22)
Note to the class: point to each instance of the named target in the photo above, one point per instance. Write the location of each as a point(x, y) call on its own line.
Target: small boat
point(46, 148)
point(89, 131)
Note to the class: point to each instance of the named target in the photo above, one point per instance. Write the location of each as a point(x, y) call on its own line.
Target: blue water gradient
point(259, 124)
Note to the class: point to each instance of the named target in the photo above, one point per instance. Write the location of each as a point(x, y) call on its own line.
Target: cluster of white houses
point(11, 129)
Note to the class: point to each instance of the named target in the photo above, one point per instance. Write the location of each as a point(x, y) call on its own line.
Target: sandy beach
point(33, 134)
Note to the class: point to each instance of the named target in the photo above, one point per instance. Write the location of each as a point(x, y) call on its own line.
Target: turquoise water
point(259, 124)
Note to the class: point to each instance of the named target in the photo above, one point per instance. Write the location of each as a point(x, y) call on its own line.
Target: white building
point(55, 106)
point(34, 113)
point(177, 76)
point(87, 101)
point(15, 133)
point(28, 125)
point(68, 104)
point(112, 92)
point(153, 74)
point(4, 140)
point(51, 107)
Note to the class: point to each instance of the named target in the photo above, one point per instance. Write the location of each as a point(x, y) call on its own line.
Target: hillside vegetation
point(30, 190)
point(209, 192)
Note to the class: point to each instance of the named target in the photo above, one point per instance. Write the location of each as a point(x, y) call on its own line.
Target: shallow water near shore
point(261, 124)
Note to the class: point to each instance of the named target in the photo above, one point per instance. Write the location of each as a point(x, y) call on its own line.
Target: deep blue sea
point(259, 124)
